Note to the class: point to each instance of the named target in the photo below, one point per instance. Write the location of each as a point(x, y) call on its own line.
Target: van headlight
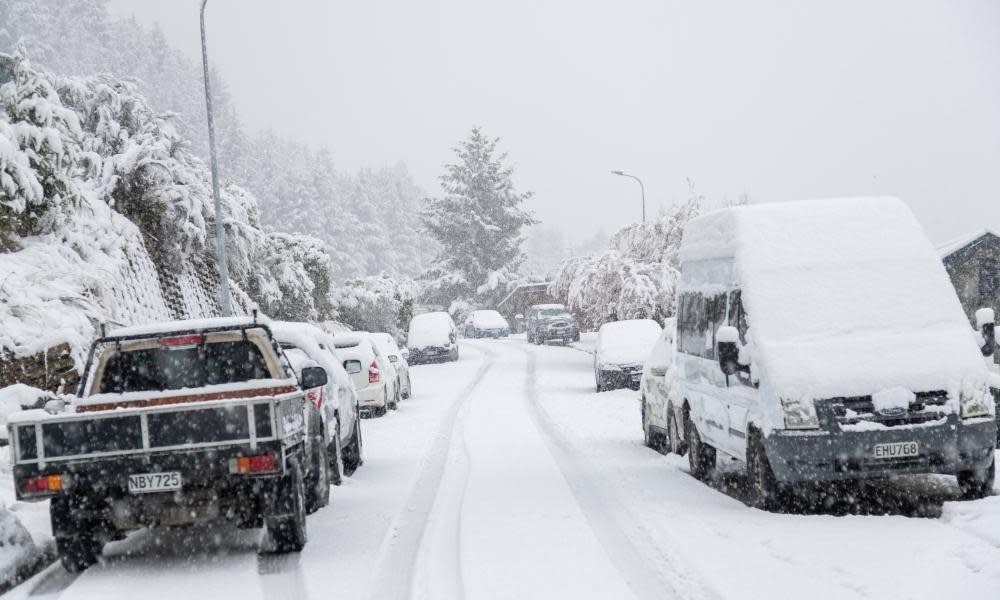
point(800, 414)
point(975, 404)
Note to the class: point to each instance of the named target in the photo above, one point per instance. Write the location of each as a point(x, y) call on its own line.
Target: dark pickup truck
point(176, 424)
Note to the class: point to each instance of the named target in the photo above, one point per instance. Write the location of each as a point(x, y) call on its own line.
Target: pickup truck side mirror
point(986, 323)
point(313, 377)
point(727, 339)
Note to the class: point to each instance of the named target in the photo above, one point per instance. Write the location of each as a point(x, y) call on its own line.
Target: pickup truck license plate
point(895, 450)
point(145, 483)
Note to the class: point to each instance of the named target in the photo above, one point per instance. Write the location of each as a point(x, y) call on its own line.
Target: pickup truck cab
point(175, 424)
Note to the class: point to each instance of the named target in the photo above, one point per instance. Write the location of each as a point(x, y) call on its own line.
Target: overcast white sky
point(783, 100)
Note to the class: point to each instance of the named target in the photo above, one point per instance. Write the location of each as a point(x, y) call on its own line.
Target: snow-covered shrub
point(376, 303)
point(38, 153)
point(143, 169)
point(292, 280)
point(634, 279)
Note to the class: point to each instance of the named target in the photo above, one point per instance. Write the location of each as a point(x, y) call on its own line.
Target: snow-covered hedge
point(377, 303)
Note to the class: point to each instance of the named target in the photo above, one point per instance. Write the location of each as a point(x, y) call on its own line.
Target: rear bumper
point(372, 396)
point(804, 456)
point(430, 355)
point(612, 380)
point(98, 489)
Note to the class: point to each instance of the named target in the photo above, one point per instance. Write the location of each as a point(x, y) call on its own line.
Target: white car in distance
point(373, 375)
point(387, 345)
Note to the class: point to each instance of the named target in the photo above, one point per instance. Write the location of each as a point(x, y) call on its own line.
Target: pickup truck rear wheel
point(287, 523)
point(77, 541)
point(354, 454)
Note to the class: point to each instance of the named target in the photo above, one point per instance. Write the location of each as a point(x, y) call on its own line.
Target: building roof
point(953, 250)
point(523, 287)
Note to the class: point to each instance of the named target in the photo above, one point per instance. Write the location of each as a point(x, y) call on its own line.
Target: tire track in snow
point(404, 570)
point(631, 548)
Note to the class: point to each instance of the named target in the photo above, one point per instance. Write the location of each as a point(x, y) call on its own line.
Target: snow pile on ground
point(429, 329)
point(627, 342)
point(16, 545)
point(845, 297)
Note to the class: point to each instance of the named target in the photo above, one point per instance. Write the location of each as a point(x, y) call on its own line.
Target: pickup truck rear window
point(172, 368)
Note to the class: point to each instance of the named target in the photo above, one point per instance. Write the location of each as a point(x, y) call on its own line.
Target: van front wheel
point(977, 484)
point(765, 491)
point(701, 457)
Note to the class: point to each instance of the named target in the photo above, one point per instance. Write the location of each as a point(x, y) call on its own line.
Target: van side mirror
point(727, 338)
point(313, 377)
point(986, 324)
point(393, 358)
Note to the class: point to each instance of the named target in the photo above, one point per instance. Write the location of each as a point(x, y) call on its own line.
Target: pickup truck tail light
point(262, 463)
point(374, 376)
point(45, 484)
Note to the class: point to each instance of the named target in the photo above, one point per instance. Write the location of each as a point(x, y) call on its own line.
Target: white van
point(823, 341)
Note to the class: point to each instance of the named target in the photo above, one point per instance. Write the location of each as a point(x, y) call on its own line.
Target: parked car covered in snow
point(822, 341)
point(176, 424)
point(659, 408)
point(550, 322)
point(306, 346)
point(373, 375)
point(621, 352)
point(486, 323)
point(432, 337)
point(387, 345)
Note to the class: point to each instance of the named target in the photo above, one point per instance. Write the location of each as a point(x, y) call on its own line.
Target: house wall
point(971, 280)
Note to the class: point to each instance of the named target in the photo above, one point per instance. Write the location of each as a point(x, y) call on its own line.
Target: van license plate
point(895, 450)
point(145, 483)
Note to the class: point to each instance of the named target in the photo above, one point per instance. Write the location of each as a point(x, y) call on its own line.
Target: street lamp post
point(642, 188)
point(220, 231)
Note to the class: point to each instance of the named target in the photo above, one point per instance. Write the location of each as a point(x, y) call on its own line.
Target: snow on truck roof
point(844, 296)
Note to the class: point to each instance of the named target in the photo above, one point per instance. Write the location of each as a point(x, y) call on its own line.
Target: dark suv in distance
point(551, 322)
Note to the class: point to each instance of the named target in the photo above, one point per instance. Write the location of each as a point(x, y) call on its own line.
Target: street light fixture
point(642, 188)
point(220, 231)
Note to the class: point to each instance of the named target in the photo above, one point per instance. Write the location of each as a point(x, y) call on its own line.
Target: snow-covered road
point(506, 476)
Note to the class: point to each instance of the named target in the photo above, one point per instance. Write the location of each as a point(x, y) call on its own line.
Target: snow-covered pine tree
point(478, 223)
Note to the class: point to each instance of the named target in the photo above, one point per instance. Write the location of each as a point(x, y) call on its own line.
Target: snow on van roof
point(844, 296)
point(187, 325)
